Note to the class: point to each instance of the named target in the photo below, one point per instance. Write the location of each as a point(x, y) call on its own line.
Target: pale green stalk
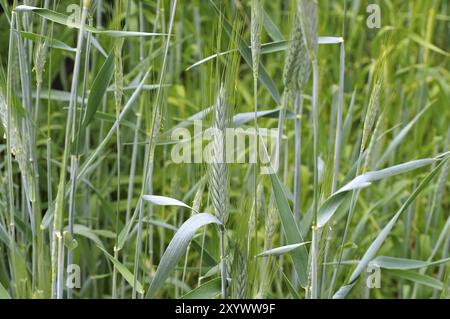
point(338, 136)
point(138, 122)
point(150, 209)
point(156, 120)
point(314, 245)
point(74, 159)
point(298, 104)
point(256, 26)
point(60, 268)
point(48, 161)
point(118, 93)
point(12, 225)
point(29, 170)
point(57, 262)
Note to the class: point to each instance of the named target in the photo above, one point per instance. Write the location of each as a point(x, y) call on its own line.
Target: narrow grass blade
point(401, 136)
point(164, 201)
point(242, 118)
point(271, 28)
point(290, 287)
point(208, 290)
point(269, 47)
point(403, 263)
point(98, 90)
point(418, 278)
point(129, 277)
point(281, 250)
point(85, 231)
point(293, 236)
point(52, 43)
point(427, 45)
point(246, 54)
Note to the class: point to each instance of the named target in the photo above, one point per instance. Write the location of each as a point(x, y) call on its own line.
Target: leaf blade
point(291, 231)
point(330, 206)
point(177, 247)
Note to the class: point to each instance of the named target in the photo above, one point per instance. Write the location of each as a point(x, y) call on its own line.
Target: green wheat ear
point(257, 20)
point(218, 168)
point(297, 66)
point(307, 11)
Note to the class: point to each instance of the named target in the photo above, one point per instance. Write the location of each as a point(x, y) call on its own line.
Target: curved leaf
point(88, 233)
point(66, 20)
point(155, 200)
point(330, 206)
point(129, 277)
point(403, 263)
point(418, 278)
point(52, 43)
point(177, 247)
point(164, 201)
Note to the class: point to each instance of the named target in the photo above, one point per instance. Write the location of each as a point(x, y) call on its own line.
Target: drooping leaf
point(85, 231)
point(403, 263)
point(330, 206)
point(177, 247)
point(155, 200)
point(67, 21)
point(52, 43)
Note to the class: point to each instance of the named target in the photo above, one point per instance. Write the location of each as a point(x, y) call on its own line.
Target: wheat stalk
point(256, 26)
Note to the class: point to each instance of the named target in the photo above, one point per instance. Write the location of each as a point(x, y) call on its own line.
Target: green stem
point(57, 262)
point(12, 247)
point(223, 265)
point(314, 246)
point(298, 155)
